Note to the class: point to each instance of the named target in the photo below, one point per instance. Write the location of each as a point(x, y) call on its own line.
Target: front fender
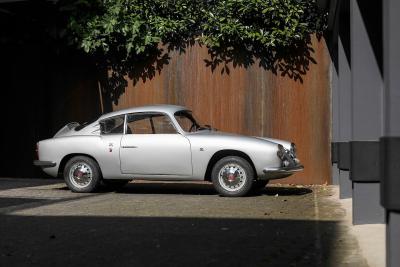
point(262, 153)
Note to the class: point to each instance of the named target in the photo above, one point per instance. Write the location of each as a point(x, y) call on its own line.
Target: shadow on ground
point(82, 240)
point(160, 241)
point(202, 189)
point(13, 183)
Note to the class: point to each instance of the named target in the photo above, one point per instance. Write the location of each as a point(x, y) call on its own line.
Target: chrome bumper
point(44, 164)
point(281, 172)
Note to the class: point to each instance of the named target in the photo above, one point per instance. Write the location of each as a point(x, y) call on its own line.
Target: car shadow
point(180, 188)
point(188, 188)
point(285, 190)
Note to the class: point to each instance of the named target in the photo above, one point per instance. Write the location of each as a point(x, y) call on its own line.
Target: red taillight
point(37, 151)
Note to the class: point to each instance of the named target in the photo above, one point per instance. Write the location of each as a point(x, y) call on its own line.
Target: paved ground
point(371, 237)
point(172, 224)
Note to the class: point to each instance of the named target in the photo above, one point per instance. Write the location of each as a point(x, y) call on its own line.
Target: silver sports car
point(162, 142)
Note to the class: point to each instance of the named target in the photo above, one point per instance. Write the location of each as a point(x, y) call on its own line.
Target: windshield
point(188, 123)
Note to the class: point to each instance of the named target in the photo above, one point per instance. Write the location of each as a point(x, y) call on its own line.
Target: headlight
point(281, 152)
point(287, 157)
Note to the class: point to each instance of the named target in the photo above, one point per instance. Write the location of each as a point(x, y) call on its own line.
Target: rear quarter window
point(114, 125)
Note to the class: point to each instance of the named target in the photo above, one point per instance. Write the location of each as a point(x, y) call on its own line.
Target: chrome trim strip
point(291, 169)
point(44, 164)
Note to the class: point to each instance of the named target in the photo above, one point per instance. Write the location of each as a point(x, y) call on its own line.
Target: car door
point(111, 132)
point(152, 146)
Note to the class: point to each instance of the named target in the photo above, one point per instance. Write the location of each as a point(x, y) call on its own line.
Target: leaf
point(234, 30)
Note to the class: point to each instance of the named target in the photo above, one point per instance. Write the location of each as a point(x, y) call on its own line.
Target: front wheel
point(82, 174)
point(232, 176)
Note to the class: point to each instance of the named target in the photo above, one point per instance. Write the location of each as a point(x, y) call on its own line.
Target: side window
point(114, 125)
point(185, 123)
point(149, 123)
point(163, 125)
point(139, 124)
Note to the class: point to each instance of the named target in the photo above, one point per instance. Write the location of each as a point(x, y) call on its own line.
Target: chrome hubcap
point(80, 174)
point(232, 177)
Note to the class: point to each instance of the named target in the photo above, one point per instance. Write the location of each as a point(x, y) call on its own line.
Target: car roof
point(170, 109)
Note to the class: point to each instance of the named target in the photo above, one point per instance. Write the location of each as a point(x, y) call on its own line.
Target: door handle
point(129, 146)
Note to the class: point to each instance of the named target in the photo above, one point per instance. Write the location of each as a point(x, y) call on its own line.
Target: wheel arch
point(66, 158)
point(225, 153)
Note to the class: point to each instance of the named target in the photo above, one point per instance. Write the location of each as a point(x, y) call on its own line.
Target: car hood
point(211, 133)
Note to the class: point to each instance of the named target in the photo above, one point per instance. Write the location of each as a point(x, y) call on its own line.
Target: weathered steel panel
point(250, 101)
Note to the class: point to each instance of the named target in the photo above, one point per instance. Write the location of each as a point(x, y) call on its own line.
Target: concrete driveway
point(171, 224)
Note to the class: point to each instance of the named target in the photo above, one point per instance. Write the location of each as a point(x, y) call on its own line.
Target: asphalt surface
point(42, 223)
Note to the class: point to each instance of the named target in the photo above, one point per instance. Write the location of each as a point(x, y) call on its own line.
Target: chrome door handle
point(129, 146)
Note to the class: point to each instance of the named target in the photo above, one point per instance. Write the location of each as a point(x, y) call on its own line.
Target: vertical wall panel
point(250, 101)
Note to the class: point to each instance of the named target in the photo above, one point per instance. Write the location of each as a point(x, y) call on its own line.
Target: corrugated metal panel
point(250, 101)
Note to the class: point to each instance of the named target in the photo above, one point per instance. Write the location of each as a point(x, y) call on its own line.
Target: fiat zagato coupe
point(162, 142)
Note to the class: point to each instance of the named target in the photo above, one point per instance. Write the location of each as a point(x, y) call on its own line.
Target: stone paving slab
point(172, 224)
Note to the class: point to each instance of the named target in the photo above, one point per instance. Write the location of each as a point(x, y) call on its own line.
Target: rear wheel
point(232, 176)
point(82, 174)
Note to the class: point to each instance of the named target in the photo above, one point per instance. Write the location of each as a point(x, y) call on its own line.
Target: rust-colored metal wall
point(250, 101)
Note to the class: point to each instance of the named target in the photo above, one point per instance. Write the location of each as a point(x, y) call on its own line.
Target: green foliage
point(134, 37)
point(129, 27)
point(266, 23)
